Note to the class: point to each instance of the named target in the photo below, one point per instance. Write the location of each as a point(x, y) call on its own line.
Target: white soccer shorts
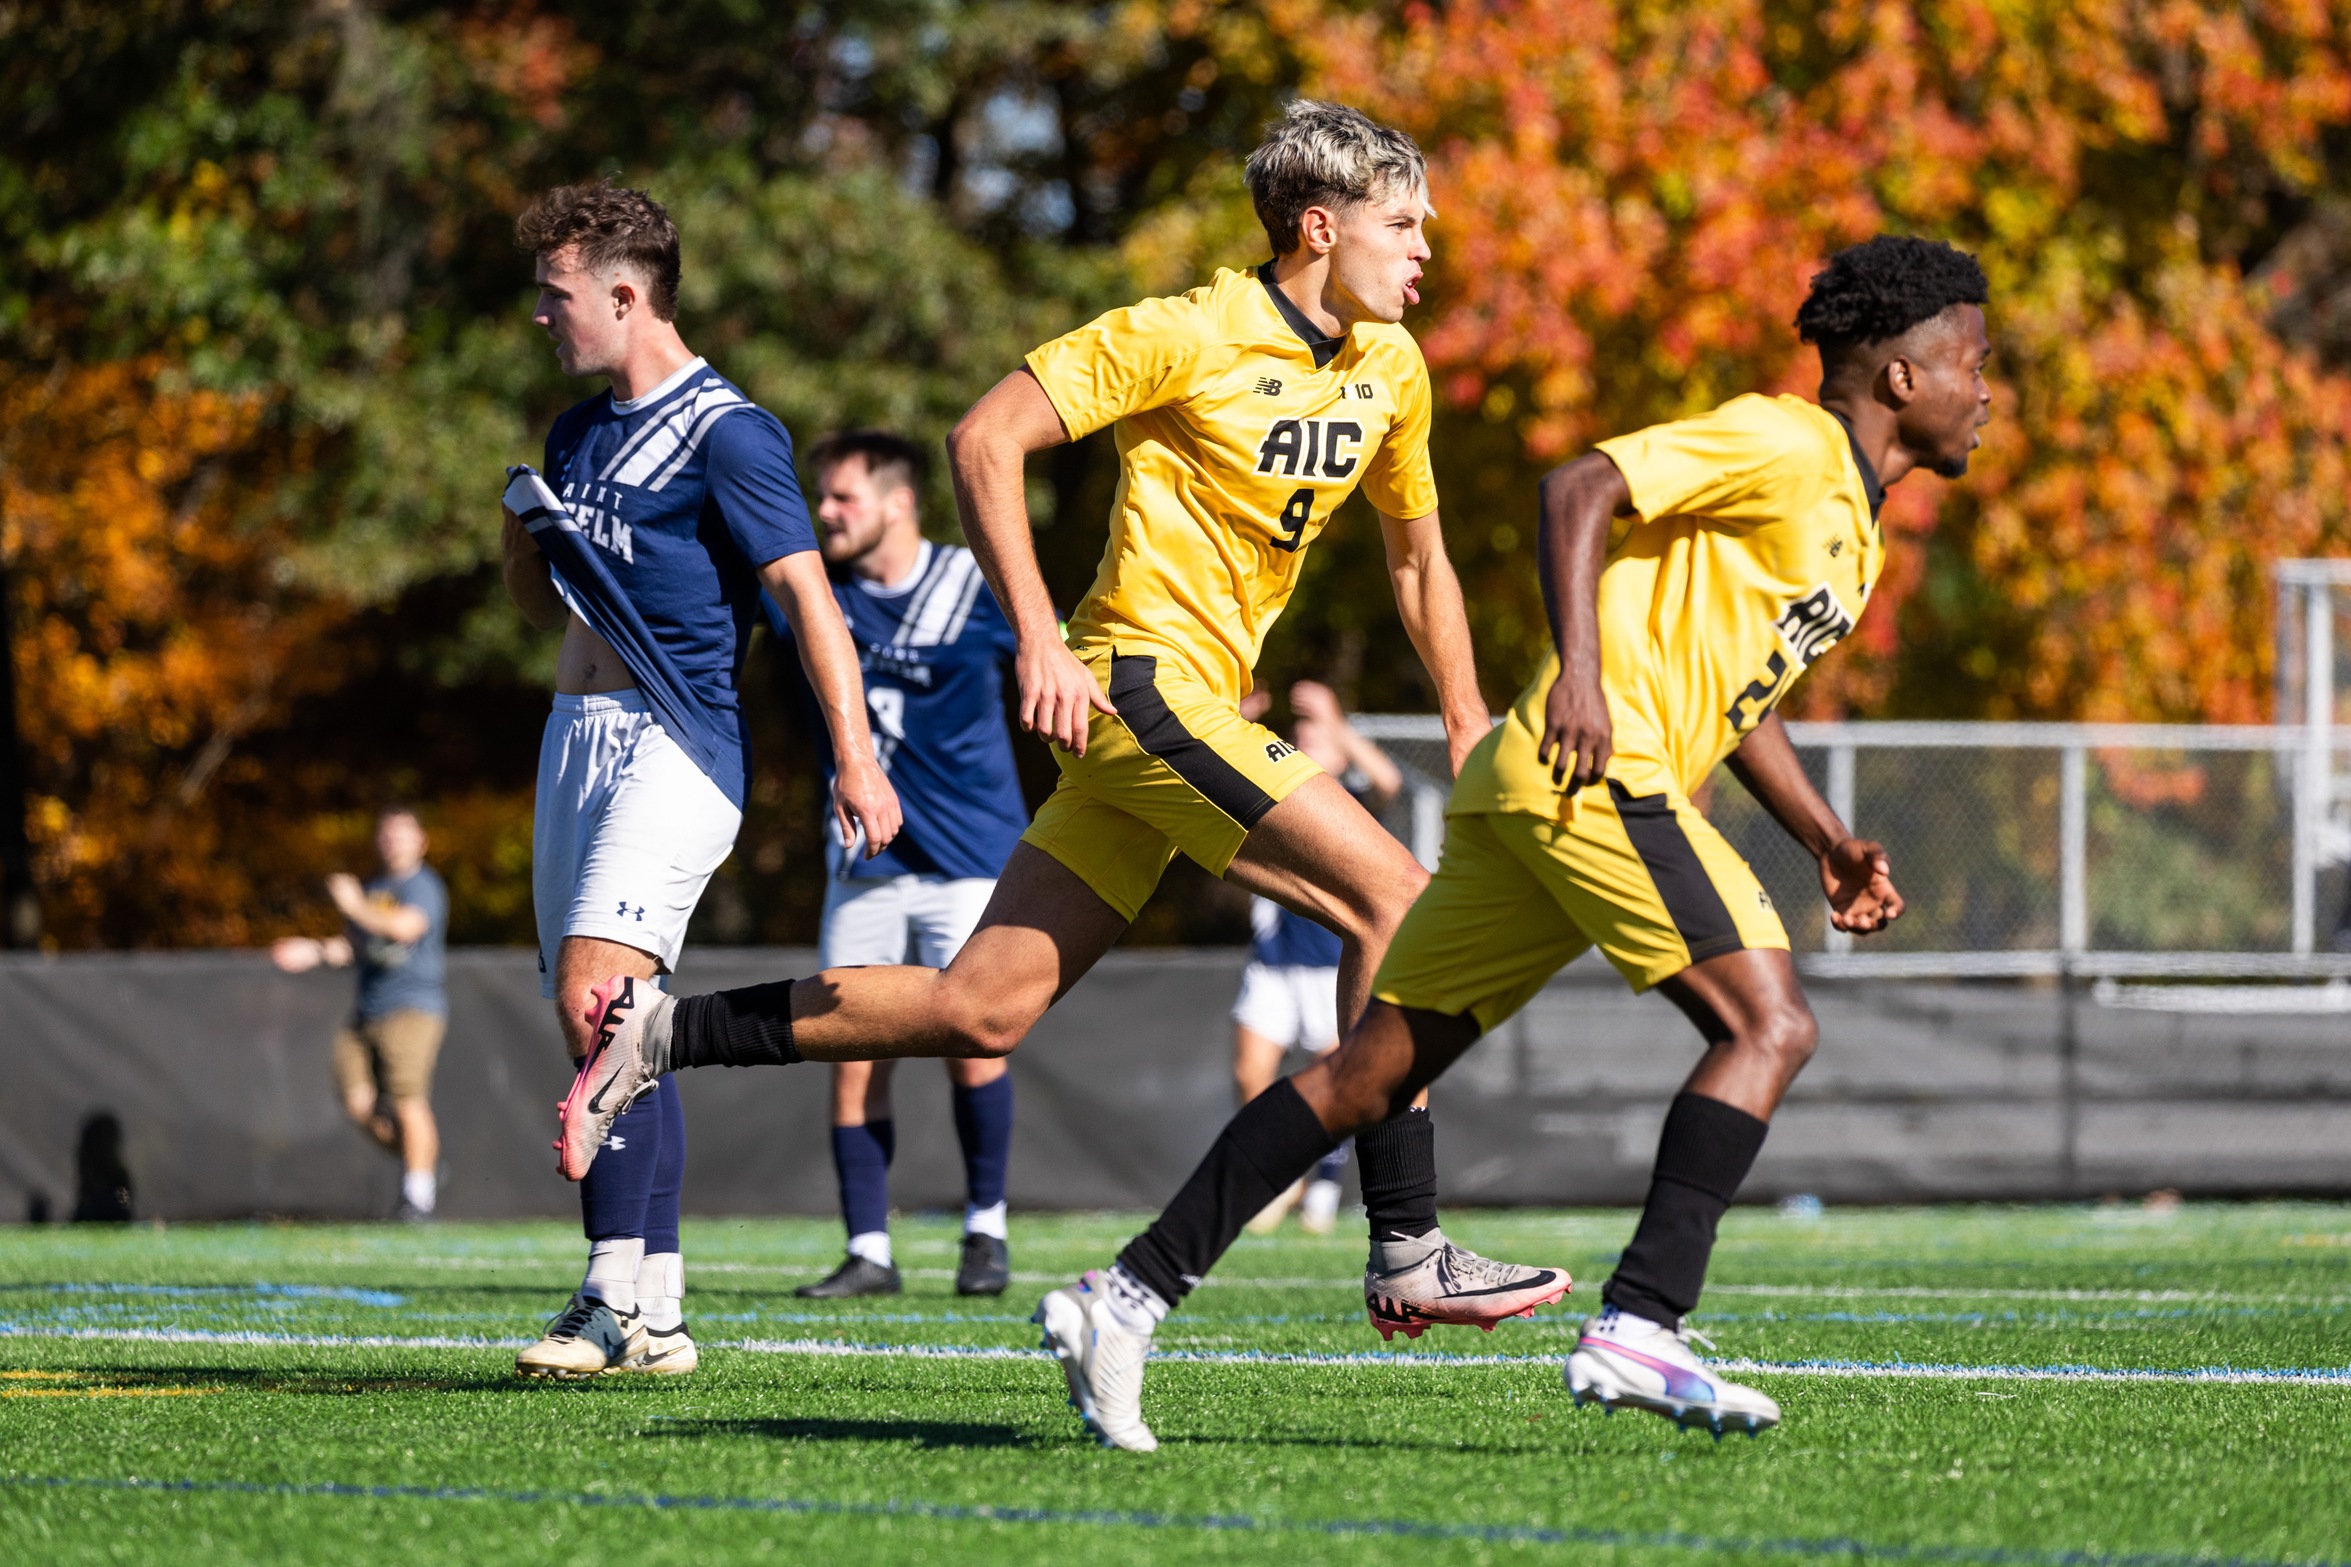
point(1295, 1007)
point(900, 919)
point(626, 831)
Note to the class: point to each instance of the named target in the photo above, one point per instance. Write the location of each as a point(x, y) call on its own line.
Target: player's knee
point(1788, 1034)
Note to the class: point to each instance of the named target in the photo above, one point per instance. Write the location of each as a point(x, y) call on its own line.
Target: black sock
point(747, 1027)
point(1399, 1159)
point(1703, 1156)
point(1274, 1140)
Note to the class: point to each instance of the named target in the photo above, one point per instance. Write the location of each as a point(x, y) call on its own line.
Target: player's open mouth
point(1412, 292)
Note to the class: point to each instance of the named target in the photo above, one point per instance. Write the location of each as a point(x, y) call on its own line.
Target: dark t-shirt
point(405, 976)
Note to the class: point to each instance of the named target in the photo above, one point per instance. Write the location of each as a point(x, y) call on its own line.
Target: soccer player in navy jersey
point(935, 648)
point(667, 504)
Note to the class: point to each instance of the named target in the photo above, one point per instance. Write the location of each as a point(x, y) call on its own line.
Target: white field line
point(1789, 1291)
point(834, 1348)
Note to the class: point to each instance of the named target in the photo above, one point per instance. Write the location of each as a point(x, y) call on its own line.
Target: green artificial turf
point(256, 1393)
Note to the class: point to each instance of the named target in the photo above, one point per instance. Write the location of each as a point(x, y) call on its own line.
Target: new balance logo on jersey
point(1318, 448)
point(1267, 386)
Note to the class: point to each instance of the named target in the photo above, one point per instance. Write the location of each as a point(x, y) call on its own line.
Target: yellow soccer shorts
point(1645, 878)
point(1178, 770)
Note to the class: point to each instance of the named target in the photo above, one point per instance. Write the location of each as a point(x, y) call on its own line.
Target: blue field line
point(1381, 1528)
point(2304, 1376)
point(272, 1292)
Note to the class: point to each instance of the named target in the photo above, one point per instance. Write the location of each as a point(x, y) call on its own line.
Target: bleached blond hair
point(1326, 155)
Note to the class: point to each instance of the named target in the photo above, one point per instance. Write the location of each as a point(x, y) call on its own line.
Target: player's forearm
point(1766, 762)
point(404, 923)
point(1428, 601)
point(829, 658)
point(987, 454)
point(1578, 502)
point(529, 579)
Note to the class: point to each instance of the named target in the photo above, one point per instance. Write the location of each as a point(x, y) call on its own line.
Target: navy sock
point(861, 1157)
point(1400, 1176)
point(1334, 1163)
point(983, 1124)
point(1703, 1156)
point(669, 1171)
point(619, 1186)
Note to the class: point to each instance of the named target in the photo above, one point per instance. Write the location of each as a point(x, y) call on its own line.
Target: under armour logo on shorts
point(625, 912)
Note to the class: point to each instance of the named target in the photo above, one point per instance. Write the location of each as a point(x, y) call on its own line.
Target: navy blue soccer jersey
point(934, 651)
point(1281, 939)
point(674, 500)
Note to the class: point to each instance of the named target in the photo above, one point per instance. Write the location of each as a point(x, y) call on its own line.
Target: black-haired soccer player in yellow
point(1245, 412)
point(1693, 571)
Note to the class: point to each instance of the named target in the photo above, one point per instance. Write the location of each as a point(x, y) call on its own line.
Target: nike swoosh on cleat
point(1502, 1289)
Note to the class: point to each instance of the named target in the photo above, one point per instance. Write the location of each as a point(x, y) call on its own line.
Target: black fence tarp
point(217, 1067)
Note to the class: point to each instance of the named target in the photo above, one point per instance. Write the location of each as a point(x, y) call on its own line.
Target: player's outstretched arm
point(862, 797)
point(988, 452)
point(530, 581)
point(1428, 599)
point(1579, 500)
point(1854, 872)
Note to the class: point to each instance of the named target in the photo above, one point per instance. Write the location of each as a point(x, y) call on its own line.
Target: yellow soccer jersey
point(1754, 552)
point(1240, 430)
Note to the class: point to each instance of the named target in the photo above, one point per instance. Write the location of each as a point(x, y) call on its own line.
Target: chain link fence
point(2098, 850)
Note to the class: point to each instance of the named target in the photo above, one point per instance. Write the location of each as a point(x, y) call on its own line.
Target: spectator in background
point(1289, 996)
point(396, 931)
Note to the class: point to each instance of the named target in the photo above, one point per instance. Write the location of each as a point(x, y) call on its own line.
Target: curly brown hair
point(613, 226)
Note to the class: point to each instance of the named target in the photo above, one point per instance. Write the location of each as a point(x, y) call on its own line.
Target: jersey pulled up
point(1240, 430)
point(1753, 553)
point(934, 650)
point(669, 505)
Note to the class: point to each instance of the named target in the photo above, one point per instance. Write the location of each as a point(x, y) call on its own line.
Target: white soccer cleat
point(1455, 1285)
point(1628, 1362)
point(1102, 1360)
point(612, 1075)
point(668, 1352)
point(585, 1339)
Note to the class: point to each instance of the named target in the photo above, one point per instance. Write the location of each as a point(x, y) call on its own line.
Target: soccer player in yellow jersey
point(1245, 412)
point(1692, 571)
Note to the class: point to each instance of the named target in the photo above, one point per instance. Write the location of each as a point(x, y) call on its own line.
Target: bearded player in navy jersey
point(935, 648)
point(667, 504)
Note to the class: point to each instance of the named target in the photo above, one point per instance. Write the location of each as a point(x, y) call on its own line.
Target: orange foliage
point(1633, 197)
point(154, 631)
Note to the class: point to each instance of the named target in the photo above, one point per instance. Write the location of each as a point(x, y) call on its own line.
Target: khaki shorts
point(391, 1056)
point(1644, 878)
point(1178, 770)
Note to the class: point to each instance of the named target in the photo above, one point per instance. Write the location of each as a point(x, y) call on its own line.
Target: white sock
point(984, 1221)
point(612, 1273)
point(419, 1187)
point(661, 1286)
point(873, 1246)
point(1136, 1305)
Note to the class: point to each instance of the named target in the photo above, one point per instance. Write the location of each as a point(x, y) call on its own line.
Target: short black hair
point(1883, 287)
point(883, 451)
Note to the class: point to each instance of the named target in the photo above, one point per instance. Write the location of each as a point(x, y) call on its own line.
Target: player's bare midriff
point(586, 664)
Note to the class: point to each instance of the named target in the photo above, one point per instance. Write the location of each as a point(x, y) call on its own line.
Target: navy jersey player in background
point(667, 503)
point(1289, 996)
point(934, 648)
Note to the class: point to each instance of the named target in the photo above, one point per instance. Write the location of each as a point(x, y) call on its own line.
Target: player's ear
point(1318, 230)
point(1901, 377)
point(624, 298)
